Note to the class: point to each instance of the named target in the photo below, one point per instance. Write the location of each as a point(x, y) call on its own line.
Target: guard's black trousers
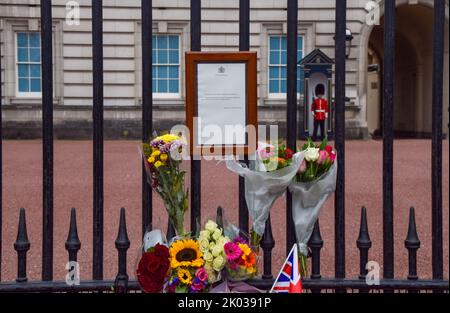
point(321, 125)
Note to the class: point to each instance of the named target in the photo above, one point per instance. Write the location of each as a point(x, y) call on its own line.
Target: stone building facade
point(21, 103)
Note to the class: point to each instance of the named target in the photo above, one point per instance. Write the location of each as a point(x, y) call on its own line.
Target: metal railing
point(315, 283)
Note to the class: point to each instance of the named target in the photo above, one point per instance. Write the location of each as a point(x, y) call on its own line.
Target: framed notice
point(221, 102)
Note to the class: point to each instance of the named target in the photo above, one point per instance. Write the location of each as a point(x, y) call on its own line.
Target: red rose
point(152, 269)
point(288, 153)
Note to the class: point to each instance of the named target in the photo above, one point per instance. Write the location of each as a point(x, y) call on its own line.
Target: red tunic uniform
point(319, 109)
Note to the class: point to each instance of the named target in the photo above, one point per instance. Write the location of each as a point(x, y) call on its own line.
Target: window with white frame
point(166, 66)
point(28, 64)
point(278, 68)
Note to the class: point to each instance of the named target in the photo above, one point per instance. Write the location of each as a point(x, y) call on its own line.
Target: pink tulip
point(323, 156)
point(302, 168)
point(332, 156)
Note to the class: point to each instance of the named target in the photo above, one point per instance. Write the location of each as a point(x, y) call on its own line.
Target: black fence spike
point(267, 244)
point(219, 217)
point(122, 245)
point(22, 245)
point(412, 243)
point(364, 244)
point(316, 244)
point(73, 243)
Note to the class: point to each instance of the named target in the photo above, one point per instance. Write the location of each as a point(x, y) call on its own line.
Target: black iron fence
point(314, 283)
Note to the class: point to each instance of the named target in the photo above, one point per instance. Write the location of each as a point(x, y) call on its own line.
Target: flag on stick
point(289, 279)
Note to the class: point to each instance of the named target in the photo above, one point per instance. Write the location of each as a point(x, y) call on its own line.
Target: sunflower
point(185, 253)
point(184, 276)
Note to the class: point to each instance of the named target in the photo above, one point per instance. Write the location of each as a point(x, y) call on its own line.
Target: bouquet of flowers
point(276, 166)
point(154, 263)
point(212, 241)
point(242, 260)
point(311, 187)
point(187, 272)
point(162, 162)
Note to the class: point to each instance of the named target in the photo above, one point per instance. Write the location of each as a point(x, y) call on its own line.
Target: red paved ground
point(73, 188)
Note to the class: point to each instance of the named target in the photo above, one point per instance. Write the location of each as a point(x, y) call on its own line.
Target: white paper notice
point(221, 96)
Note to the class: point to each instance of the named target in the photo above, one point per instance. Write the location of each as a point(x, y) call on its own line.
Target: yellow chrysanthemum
point(151, 160)
point(184, 276)
point(168, 138)
point(156, 153)
point(163, 157)
point(158, 164)
point(245, 249)
point(185, 253)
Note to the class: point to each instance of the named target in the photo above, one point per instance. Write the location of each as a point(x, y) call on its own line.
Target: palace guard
point(319, 109)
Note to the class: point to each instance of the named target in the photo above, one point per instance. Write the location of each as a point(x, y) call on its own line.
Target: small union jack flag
point(289, 279)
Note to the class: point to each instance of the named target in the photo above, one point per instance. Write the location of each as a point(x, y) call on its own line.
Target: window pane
point(173, 57)
point(154, 59)
point(35, 70)
point(35, 85)
point(173, 42)
point(300, 43)
point(173, 86)
point(35, 55)
point(22, 55)
point(22, 39)
point(173, 72)
point(154, 42)
point(274, 72)
point(283, 57)
point(283, 86)
point(162, 42)
point(162, 72)
point(153, 85)
point(274, 86)
point(35, 40)
point(24, 70)
point(162, 85)
point(154, 71)
point(274, 43)
point(283, 72)
point(283, 43)
point(23, 85)
point(162, 56)
point(274, 57)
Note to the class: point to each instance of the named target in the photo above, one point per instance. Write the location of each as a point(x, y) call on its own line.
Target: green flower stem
point(303, 266)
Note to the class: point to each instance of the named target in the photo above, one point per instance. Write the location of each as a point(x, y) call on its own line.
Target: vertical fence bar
point(339, 245)
point(196, 166)
point(97, 66)
point(244, 45)
point(291, 119)
point(388, 139)
point(73, 245)
point(438, 76)
point(1, 167)
point(147, 106)
point(47, 139)
point(316, 244)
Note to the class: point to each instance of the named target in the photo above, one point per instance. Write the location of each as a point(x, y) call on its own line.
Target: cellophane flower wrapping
point(307, 200)
point(162, 160)
point(263, 188)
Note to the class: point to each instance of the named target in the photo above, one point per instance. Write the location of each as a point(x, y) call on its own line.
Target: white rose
point(217, 234)
point(204, 234)
point(210, 226)
point(208, 266)
point(312, 154)
point(203, 243)
point(212, 277)
point(223, 240)
point(208, 257)
point(212, 244)
point(218, 263)
point(217, 250)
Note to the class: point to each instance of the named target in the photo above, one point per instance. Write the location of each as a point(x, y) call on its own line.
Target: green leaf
point(181, 289)
point(324, 144)
point(146, 149)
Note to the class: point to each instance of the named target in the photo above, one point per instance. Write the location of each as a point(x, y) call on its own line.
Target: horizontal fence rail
point(315, 282)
